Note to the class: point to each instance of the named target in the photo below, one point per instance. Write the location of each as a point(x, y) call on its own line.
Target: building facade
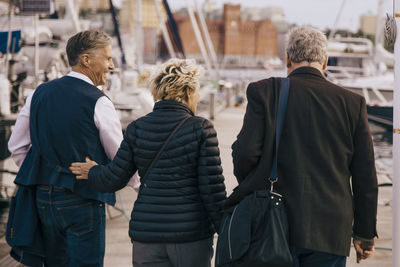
point(149, 14)
point(368, 24)
point(86, 5)
point(237, 42)
point(94, 5)
point(150, 25)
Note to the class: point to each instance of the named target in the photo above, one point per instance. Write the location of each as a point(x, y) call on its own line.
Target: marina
point(354, 64)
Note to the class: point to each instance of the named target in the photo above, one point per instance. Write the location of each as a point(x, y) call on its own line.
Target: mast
point(378, 34)
point(379, 27)
point(207, 37)
point(116, 32)
point(9, 36)
point(164, 30)
point(36, 22)
point(333, 30)
point(198, 36)
point(139, 36)
point(396, 143)
point(71, 11)
point(174, 29)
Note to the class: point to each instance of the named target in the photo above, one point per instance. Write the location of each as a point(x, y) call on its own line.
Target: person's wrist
point(365, 241)
point(91, 169)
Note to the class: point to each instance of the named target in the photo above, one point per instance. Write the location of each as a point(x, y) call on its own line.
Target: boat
point(365, 68)
point(353, 64)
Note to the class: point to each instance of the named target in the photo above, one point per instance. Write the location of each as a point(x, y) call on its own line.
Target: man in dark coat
point(326, 160)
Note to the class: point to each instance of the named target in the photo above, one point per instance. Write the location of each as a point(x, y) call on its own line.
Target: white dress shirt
point(105, 119)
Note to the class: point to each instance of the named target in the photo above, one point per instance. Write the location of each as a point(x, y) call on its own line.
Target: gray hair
point(307, 44)
point(85, 42)
point(175, 79)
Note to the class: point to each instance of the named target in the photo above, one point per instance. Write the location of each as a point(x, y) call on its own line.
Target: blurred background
point(236, 41)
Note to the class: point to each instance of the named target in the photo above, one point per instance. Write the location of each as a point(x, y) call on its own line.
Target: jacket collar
point(306, 70)
point(172, 105)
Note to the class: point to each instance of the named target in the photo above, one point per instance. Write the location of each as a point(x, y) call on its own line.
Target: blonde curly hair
point(175, 80)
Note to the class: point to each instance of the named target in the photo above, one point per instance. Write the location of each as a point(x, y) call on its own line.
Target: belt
point(52, 187)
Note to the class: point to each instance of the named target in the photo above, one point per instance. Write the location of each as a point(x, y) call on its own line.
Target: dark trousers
point(73, 228)
point(312, 258)
point(188, 254)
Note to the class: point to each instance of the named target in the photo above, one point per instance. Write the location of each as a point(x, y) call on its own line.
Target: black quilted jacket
point(181, 199)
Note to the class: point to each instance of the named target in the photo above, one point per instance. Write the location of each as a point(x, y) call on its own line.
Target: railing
point(340, 72)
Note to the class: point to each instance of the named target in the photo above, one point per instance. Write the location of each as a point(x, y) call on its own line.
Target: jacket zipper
point(229, 233)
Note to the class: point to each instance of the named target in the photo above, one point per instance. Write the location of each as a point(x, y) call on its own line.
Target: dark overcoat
point(325, 162)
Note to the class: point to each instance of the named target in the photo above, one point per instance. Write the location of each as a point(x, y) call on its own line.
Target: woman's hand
point(81, 169)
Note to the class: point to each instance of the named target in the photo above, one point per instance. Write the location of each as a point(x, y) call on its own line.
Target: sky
point(317, 13)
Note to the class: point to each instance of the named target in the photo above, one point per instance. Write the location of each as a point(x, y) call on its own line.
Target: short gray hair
point(306, 44)
point(84, 42)
point(175, 79)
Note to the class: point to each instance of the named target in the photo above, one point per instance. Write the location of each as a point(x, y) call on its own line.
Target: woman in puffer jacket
point(178, 208)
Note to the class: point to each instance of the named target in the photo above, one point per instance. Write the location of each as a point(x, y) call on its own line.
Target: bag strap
point(163, 146)
point(282, 104)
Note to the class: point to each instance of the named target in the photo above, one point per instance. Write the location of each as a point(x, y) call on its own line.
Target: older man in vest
point(64, 121)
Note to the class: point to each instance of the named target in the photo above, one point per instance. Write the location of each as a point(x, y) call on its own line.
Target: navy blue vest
point(63, 131)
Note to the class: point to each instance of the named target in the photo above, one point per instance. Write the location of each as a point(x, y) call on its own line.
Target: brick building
point(86, 5)
point(237, 43)
point(151, 33)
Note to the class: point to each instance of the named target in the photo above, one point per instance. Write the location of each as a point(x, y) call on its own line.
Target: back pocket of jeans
point(78, 219)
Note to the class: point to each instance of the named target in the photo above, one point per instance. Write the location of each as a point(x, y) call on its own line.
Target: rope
point(390, 29)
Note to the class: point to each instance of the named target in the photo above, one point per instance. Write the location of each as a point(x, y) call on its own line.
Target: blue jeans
point(312, 258)
point(73, 228)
